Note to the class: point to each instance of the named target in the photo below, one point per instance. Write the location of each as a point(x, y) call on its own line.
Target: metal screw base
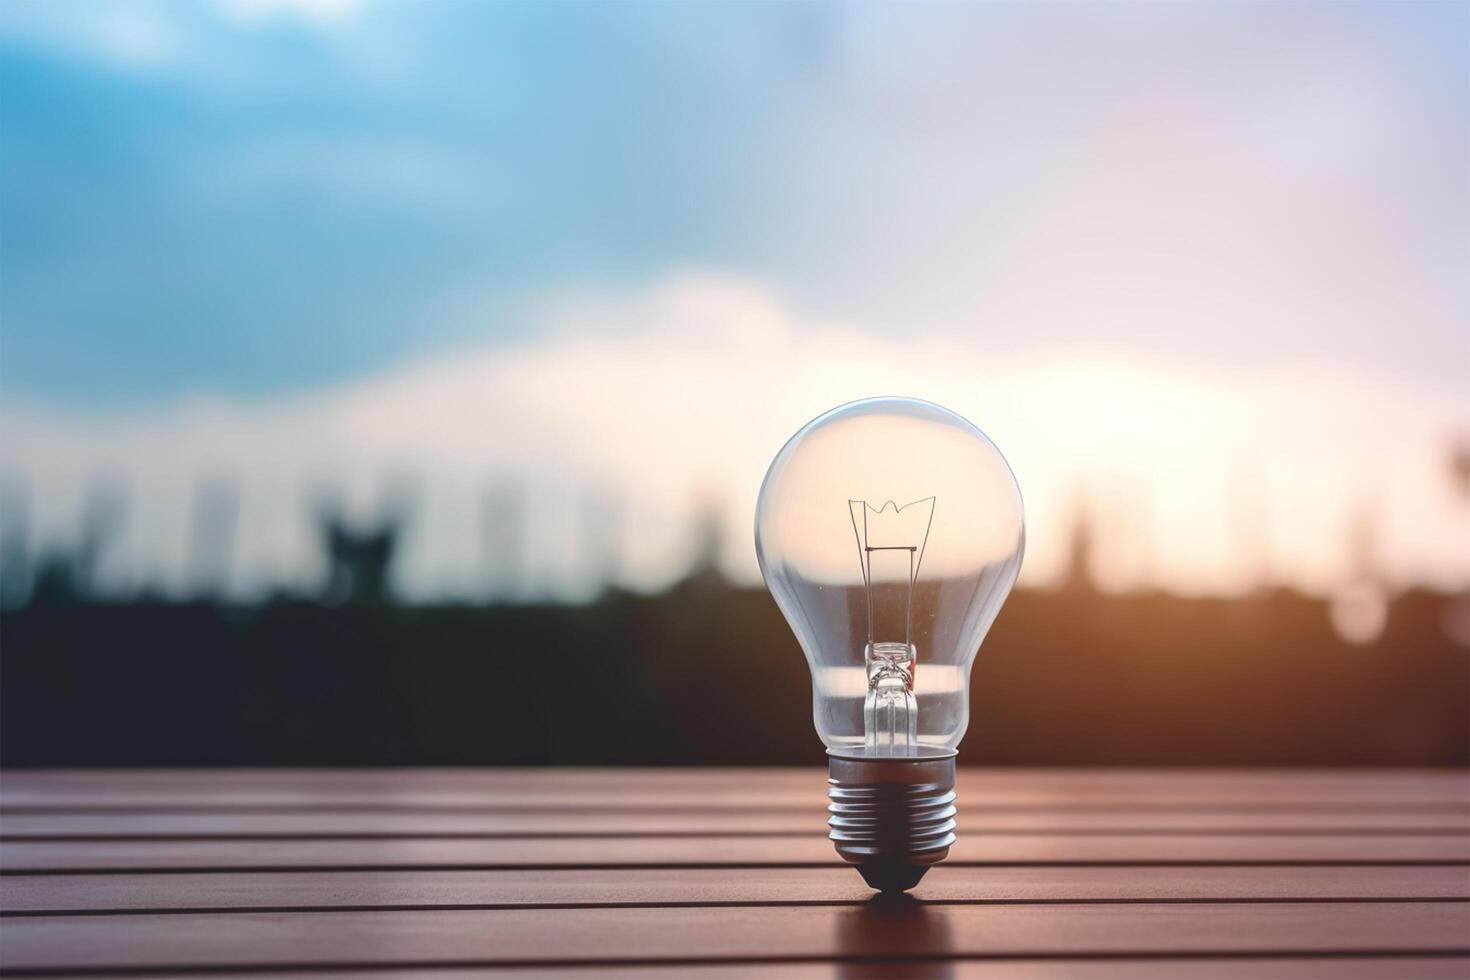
point(893, 818)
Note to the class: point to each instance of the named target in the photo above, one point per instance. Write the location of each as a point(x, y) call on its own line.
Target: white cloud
point(132, 36)
point(151, 36)
point(1202, 477)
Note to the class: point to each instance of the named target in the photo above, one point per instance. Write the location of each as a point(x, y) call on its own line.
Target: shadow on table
point(880, 936)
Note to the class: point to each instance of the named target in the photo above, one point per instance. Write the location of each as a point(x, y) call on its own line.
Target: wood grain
point(550, 823)
point(780, 886)
point(708, 852)
point(719, 789)
point(1167, 968)
point(733, 933)
point(724, 873)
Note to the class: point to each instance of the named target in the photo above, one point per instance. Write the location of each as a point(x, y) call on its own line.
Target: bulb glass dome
point(890, 531)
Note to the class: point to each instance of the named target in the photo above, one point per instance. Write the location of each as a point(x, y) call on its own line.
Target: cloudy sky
point(1201, 263)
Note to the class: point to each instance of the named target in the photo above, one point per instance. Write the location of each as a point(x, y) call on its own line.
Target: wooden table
point(722, 873)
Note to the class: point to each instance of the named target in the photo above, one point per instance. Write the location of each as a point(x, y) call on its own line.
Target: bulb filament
point(891, 542)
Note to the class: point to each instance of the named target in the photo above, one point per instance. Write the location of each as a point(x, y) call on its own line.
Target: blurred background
point(392, 382)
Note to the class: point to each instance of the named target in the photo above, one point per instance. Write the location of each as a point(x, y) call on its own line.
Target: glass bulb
point(890, 531)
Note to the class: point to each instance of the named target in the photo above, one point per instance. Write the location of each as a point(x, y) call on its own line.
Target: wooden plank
point(703, 775)
point(1445, 783)
point(549, 823)
point(142, 855)
point(1313, 968)
point(736, 933)
point(123, 805)
point(1051, 777)
point(785, 886)
point(713, 788)
point(1169, 968)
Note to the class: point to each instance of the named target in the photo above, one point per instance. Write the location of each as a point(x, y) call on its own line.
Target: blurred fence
point(710, 674)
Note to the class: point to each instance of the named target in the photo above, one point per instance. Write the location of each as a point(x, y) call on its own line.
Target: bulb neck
point(892, 817)
point(890, 710)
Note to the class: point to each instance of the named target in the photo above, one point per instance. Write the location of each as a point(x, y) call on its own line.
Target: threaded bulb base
point(893, 818)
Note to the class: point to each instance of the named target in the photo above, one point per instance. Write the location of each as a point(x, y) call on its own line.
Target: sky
point(1201, 265)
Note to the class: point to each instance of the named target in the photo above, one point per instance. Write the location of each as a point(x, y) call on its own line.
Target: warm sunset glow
point(1199, 479)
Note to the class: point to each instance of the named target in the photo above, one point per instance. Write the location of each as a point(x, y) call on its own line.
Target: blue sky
point(257, 197)
point(1200, 264)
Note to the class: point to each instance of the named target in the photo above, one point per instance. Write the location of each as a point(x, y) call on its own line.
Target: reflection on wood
point(606, 873)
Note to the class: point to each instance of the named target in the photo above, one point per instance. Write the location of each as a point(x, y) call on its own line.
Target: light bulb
point(889, 531)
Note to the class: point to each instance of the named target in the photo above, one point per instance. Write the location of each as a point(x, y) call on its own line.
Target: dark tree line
point(710, 674)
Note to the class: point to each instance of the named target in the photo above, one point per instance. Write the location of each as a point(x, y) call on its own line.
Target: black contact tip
point(891, 877)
